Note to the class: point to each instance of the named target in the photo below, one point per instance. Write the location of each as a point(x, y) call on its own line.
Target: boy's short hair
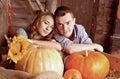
point(62, 10)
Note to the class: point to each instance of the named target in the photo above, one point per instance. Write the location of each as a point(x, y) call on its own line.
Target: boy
point(70, 35)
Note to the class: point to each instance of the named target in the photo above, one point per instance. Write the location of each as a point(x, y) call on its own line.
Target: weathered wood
point(3, 20)
point(51, 5)
point(105, 22)
point(38, 3)
point(24, 15)
point(117, 27)
point(118, 11)
point(114, 61)
point(115, 43)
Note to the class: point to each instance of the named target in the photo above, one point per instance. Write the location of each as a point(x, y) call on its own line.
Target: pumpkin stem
point(86, 53)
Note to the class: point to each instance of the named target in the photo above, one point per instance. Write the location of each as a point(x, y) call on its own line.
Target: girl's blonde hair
point(31, 29)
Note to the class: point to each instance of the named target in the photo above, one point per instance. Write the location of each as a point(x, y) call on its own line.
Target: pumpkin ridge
point(55, 57)
point(19, 63)
point(49, 56)
point(55, 51)
point(28, 67)
point(86, 64)
point(33, 61)
point(82, 72)
point(26, 58)
point(27, 63)
point(82, 60)
point(61, 61)
point(41, 58)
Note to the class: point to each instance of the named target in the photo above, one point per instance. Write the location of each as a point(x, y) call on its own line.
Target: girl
point(41, 31)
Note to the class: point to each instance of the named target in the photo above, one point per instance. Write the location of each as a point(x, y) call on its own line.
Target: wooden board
point(114, 61)
point(115, 43)
point(3, 20)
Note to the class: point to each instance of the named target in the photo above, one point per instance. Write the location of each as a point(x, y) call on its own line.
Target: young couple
point(68, 36)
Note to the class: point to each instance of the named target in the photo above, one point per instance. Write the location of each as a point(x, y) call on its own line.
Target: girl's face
point(46, 25)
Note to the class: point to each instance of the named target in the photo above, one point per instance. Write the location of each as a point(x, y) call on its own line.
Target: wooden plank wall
point(105, 22)
point(115, 37)
point(24, 11)
point(3, 20)
point(22, 14)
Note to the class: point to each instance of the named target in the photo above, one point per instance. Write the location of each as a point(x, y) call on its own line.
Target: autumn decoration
point(39, 59)
point(91, 64)
point(17, 47)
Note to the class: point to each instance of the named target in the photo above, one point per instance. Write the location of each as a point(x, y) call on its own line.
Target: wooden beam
point(40, 5)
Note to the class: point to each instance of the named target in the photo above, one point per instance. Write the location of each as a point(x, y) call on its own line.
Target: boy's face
point(65, 24)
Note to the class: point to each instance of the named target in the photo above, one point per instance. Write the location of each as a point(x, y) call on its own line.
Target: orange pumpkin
point(39, 59)
point(91, 64)
point(72, 74)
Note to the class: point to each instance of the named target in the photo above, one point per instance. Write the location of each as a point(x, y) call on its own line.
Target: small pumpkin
point(91, 64)
point(72, 74)
point(39, 59)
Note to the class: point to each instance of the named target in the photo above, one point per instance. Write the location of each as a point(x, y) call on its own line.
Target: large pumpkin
point(41, 58)
point(91, 64)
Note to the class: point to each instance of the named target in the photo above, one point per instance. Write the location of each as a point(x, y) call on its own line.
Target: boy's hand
point(98, 47)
